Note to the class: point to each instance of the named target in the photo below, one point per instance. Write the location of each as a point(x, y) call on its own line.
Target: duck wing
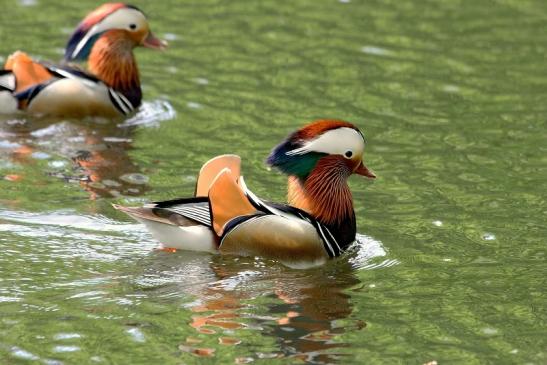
point(20, 73)
point(195, 210)
point(210, 170)
point(194, 223)
point(180, 223)
point(26, 71)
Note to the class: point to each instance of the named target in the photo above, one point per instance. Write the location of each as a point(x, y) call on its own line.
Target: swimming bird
point(224, 216)
point(110, 87)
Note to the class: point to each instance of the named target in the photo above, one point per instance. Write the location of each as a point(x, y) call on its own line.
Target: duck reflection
point(98, 151)
point(301, 310)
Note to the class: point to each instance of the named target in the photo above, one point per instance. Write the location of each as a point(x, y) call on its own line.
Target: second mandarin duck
point(225, 216)
point(110, 87)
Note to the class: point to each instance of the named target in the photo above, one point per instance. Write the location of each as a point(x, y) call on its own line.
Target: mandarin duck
point(109, 88)
point(225, 216)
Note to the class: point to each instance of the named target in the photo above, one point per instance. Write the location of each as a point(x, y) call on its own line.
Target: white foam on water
point(151, 113)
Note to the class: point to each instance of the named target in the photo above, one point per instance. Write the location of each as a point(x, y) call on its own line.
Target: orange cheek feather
point(139, 36)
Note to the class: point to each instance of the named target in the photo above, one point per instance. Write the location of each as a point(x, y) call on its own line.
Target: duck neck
point(325, 194)
point(112, 60)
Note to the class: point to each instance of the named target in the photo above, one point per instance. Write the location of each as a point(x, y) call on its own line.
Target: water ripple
point(67, 219)
point(151, 113)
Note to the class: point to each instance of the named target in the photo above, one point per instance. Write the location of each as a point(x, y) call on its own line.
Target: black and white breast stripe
point(331, 245)
point(121, 103)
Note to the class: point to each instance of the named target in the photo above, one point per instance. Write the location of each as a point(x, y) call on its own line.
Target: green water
point(451, 263)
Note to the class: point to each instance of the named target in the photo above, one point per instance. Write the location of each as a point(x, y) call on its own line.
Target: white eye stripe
point(117, 20)
point(334, 142)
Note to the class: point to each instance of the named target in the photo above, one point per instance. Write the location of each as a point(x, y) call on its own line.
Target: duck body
point(260, 229)
point(110, 87)
point(226, 217)
point(62, 91)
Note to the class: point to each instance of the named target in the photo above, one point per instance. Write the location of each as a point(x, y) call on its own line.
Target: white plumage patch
point(7, 81)
point(334, 142)
point(192, 238)
point(74, 98)
point(8, 104)
point(120, 19)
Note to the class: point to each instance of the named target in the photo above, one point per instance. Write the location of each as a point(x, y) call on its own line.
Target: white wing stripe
point(197, 213)
point(184, 210)
point(196, 218)
point(189, 212)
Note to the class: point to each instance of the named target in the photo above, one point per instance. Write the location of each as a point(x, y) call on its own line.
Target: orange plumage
point(26, 71)
point(100, 13)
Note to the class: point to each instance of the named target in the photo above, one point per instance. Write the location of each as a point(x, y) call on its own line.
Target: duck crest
point(101, 12)
point(112, 61)
point(318, 127)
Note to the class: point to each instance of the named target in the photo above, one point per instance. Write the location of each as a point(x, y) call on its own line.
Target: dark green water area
point(450, 264)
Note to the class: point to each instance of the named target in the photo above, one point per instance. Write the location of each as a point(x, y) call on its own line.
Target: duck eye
point(348, 154)
point(132, 26)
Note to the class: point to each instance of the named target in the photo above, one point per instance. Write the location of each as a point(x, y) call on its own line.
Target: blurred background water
point(450, 265)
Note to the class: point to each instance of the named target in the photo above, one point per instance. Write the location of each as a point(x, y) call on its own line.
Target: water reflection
point(304, 312)
point(94, 152)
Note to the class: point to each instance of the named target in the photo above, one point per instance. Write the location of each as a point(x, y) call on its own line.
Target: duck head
point(125, 23)
point(341, 143)
point(319, 158)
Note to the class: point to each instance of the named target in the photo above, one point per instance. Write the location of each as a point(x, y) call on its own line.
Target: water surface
point(450, 263)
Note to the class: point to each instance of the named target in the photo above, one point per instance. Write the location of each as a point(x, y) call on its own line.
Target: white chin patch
point(334, 142)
